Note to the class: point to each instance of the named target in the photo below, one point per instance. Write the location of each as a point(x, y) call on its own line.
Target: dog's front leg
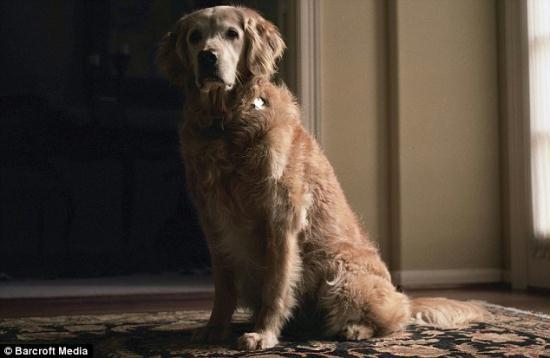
point(281, 275)
point(225, 301)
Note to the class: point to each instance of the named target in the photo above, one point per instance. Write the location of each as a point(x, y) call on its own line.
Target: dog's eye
point(232, 34)
point(195, 36)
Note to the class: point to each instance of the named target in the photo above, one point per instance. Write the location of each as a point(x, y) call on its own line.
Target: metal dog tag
point(258, 103)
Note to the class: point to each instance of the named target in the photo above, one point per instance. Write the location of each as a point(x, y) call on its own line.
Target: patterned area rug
point(513, 333)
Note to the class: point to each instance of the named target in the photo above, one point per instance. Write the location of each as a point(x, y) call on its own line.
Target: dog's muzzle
point(208, 66)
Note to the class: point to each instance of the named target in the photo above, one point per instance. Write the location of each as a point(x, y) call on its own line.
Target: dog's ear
point(265, 44)
point(170, 63)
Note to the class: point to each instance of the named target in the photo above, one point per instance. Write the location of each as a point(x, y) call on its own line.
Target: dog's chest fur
point(243, 183)
point(228, 171)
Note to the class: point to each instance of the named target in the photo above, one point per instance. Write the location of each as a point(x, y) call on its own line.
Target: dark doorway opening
point(91, 180)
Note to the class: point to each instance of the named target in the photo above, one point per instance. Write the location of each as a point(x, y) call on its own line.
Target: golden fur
point(278, 226)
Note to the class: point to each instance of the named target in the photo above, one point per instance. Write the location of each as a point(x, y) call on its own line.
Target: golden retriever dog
point(283, 240)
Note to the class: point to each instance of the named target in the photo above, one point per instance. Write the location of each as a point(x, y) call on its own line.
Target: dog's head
point(220, 47)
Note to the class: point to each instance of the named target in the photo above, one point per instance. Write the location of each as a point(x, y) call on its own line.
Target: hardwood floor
point(51, 306)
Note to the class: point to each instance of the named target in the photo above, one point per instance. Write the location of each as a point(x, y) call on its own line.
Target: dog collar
point(216, 129)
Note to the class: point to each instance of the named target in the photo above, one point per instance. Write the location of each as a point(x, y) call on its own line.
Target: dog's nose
point(207, 58)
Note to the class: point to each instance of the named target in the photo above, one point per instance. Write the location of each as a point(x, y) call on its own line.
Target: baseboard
point(427, 278)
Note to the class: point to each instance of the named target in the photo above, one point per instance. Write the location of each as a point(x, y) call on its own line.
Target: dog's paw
point(211, 334)
point(356, 332)
point(257, 340)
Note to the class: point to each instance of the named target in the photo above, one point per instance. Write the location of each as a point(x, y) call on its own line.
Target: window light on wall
point(538, 22)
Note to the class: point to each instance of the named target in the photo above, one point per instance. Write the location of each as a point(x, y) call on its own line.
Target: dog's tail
point(446, 313)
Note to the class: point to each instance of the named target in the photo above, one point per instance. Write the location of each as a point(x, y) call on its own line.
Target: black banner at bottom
point(46, 350)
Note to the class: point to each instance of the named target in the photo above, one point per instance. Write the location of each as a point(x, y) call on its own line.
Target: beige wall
point(446, 125)
point(448, 134)
point(353, 104)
